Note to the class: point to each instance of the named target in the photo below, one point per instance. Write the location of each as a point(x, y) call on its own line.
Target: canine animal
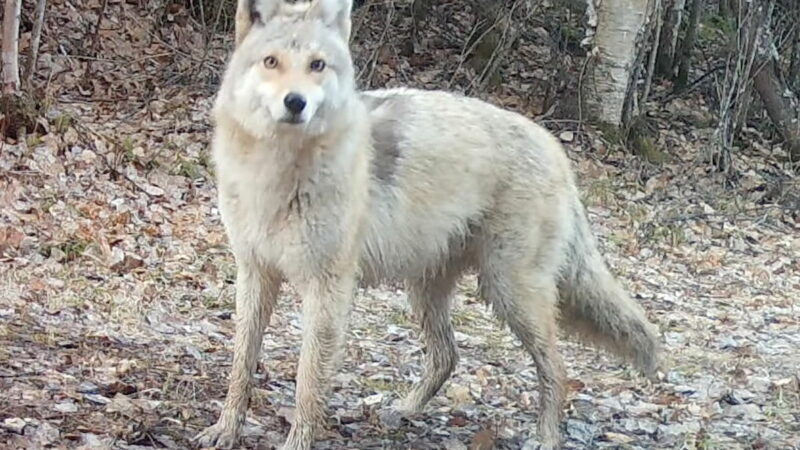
point(322, 186)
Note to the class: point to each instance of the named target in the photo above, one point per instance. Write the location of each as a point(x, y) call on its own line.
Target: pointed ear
point(246, 16)
point(254, 12)
point(334, 14)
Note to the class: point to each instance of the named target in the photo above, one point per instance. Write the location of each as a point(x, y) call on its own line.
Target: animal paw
point(219, 435)
point(300, 438)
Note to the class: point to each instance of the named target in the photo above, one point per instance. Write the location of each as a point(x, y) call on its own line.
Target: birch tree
point(608, 82)
point(11, 14)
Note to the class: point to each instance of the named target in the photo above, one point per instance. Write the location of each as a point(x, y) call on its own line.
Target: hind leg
point(430, 300)
point(527, 303)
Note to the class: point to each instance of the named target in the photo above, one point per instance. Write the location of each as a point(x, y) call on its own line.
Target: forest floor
point(116, 280)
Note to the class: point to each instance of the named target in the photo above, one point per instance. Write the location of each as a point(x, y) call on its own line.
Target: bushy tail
point(595, 307)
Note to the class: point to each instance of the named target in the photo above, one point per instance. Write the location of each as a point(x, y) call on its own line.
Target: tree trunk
point(36, 35)
point(780, 103)
point(606, 87)
point(794, 64)
point(724, 8)
point(658, 16)
point(687, 44)
point(11, 46)
point(752, 21)
point(668, 42)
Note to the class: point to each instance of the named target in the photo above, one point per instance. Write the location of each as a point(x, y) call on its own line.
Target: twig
point(373, 60)
point(96, 37)
point(359, 19)
point(651, 64)
point(691, 86)
point(465, 51)
point(589, 56)
point(501, 42)
point(731, 215)
point(36, 37)
point(474, 43)
point(207, 36)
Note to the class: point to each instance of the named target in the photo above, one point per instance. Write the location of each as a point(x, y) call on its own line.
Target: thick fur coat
point(397, 184)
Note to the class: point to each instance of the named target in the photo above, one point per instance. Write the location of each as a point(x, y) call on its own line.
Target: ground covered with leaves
point(116, 301)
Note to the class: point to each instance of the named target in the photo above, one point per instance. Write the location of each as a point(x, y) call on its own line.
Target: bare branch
point(36, 36)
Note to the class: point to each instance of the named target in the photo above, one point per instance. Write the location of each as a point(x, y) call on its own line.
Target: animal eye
point(270, 62)
point(317, 65)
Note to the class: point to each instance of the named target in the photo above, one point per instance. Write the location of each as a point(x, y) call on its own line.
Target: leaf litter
point(116, 319)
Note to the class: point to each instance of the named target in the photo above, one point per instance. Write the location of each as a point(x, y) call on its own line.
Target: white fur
point(403, 184)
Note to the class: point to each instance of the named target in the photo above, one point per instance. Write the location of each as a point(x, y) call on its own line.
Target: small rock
point(124, 262)
point(46, 434)
point(581, 431)
point(91, 440)
point(87, 156)
point(87, 387)
point(694, 410)
point(749, 412)
point(642, 408)
point(454, 444)
point(97, 398)
point(155, 191)
point(66, 407)
point(675, 377)
point(14, 425)
point(56, 254)
point(476, 390)
point(792, 383)
point(460, 395)
point(194, 352)
point(168, 442)
point(584, 407)
point(391, 417)
point(684, 389)
point(123, 405)
point(728, 342)
point(617, 437)
point(738, 397)
point(117, 256)
point(639, 426)
point(611, 403)
point(567, 136)
point(372, 399)
point(678, 430)
point(760, 384)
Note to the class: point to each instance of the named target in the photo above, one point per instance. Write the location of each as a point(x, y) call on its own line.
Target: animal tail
point(594, 306)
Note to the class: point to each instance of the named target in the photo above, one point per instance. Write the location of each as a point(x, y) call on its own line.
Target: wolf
point(326, 187)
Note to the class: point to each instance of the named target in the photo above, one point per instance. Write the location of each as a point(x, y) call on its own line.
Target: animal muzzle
point(295, 105)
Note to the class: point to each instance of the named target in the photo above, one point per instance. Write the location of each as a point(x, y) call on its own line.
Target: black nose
point(294, 102)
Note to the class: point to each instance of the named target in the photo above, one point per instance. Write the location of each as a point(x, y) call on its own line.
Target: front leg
point(256, 294)
point(326, 303)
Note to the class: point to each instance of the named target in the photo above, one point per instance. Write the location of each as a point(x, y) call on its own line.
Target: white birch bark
point(11, 46)
point(619, 23)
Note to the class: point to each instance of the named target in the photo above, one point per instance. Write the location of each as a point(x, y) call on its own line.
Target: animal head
point(291, 67)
